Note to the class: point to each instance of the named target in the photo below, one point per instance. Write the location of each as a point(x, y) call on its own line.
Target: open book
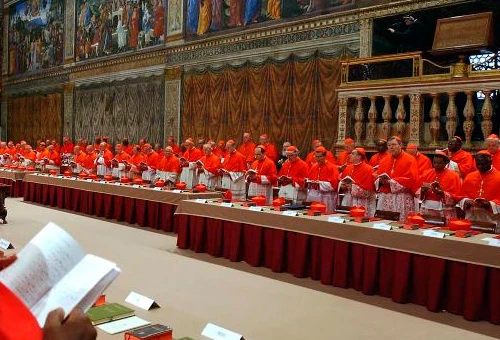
point(347, 179)
point(52, 271)
point(384, 175)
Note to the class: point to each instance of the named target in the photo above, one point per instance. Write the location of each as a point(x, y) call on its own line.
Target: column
point(365, 37)
point(487, 115)
point(386, 116)
point(435, 125)
point(5, 42)
point(69, 29)
point(451, 115)
point(4, 118)
point(416, 118)
point(371, 127)
point(400, 116)
point(342, 128)
point(358, 116)
point(67, 127)
point(173, 87)
point(469, 116)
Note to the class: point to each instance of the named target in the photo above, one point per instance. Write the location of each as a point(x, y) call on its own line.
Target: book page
point(75, 286)
point(41, 264)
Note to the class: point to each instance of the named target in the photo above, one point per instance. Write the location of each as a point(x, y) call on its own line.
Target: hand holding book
point(53, 272)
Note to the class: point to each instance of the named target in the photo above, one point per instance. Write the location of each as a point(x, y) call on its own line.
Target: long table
point(461, 276)
point(13, 178)
point(148, 207)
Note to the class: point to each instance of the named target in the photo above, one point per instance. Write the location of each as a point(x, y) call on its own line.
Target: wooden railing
point(417, 99)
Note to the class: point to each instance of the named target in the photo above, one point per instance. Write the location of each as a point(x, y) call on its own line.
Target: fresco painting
point(106, 27)
point(205, 16)
point(36, 30)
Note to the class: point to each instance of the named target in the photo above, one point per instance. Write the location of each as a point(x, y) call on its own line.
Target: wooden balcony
point(421, 101)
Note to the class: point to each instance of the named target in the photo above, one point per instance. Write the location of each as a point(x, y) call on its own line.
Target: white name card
point(177, 191)
point(382, 226)
point(4, 244)
point(158, 188)
point(201, 200)
point(495, 242)
point(336, 219)
point(215, 332)
point(136, 186)
point(89, 180)
point(433, 233)
point(141, 301)
point(117, 183)
point(60, 176)
point(487, 239)
point(290, 213)
point(226, 204)
point(255, 208)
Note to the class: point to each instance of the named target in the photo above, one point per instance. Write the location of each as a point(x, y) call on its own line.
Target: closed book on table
point(151, 332)
point(108, 312)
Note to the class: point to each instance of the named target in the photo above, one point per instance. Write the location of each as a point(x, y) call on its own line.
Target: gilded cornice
point(118, 65)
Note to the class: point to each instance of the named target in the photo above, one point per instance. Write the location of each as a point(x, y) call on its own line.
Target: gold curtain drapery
point(34, 117)
point(293, 100)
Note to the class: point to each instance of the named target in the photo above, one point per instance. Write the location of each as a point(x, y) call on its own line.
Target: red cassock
point(234, 162)
point(30, 155)
point(137, 159)
point(122, 156)
point(327, 172)
point(89, 162)
point(465, 162)
point(193, 155)
point(423, 163)
point(310, 160)
point(495, 159)
point(170, 164)
point(297, 171)
point(377, 158)
point(67, 148)
point(13, 151)
point(362, 174)
point(343, 158)
point(271, 152)
point(448, 179)
point(152, 160)
point(80, 158)
point(248, 149)
point(55, 157)
point(397, 194)
point(403, 169)
point(265, 167)
point(108, 156)
point(219, 152)
point(128, 149)
point(40, 155)
point(176, 149)
point(211, 163)
point(16, 321)
point(486, 186)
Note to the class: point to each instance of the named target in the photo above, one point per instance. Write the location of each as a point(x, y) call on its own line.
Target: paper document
point(52, 271)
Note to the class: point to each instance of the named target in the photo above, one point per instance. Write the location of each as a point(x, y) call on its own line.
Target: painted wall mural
point(105, 27)
point(204, 16)
point(174, 19)
point(36, 31)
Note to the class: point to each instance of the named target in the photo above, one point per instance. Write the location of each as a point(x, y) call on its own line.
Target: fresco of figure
point(30, 43)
